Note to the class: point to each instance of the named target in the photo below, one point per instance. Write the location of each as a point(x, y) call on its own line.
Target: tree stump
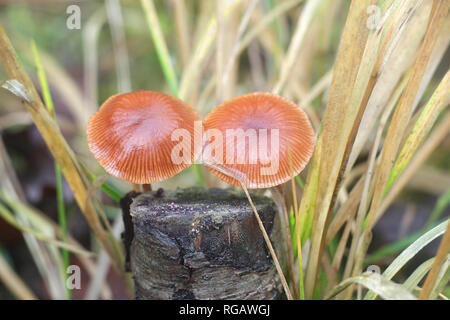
point(200, 244)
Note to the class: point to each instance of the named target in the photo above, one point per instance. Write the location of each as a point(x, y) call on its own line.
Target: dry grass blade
point(442, 280)
point(57, 145)
point(407, 32)
point(61, 82)
point(269, 245)
point(220, 50)
point(115, 20)
point(103, 264)
point(8, 217)
point(337, 259)
point(435, 138)
point(437, 55)
point(235, 49)
point(45, 223)
point(352, 266)
point(267, 20)
point(422, 127)
point(355, 98)
point(337, 124)
point(13, 282)
point(261, 226)
point(441, 255)
point(46, 257)
point(348, 209)
point(91, 32)
point(182, 27)
point(201, 52)
point(279, 200)
point(320, 86)
point(403, 111)
point(303, 22)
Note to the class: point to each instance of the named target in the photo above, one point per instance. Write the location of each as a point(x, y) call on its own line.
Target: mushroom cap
point(260, 111)
point(130, 135)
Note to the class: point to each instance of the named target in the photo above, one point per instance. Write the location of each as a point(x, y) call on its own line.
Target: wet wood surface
point(200, 244)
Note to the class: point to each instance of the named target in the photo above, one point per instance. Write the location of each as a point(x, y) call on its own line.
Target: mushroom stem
point(142, 187)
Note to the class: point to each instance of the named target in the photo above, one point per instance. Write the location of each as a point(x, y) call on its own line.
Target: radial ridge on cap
point(262, 111)
point(130, 136)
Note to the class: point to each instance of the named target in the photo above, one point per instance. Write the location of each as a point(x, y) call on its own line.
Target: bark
point(200, 244)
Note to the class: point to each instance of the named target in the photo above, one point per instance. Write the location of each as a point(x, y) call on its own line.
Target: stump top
point(195, 200)
point(201, 243)
point(219, 223)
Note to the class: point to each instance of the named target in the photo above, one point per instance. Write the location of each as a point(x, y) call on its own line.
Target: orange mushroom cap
point(261, 111)
point(130, 135)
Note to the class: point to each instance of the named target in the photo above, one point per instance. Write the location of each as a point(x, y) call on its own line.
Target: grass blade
point(160, 45)
point(9, 217)
point(48, 101)
point(402, 113)
point(410, 252)
point(261, 226)
point(413, 280)
point(13, 282)
point(303, 22)
point(421, 128)
point(337, 124)
point(407, 32)
point(385, 288)
point(442, 279)
point(58, 146)
point(433, 276)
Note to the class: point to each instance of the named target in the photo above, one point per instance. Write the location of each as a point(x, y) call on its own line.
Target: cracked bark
point(201, 244)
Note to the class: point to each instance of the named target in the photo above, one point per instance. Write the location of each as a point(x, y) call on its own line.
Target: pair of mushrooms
point(131, 137)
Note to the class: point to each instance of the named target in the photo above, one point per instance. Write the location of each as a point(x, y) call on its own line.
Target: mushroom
point(268, 140)
point(131, 136)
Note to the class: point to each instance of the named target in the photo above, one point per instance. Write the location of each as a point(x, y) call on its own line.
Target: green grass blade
point(109, 189)
point(48, 101)
point(397, 246)
point(58, 147)
point(165, 62)
point(393, 248)
point(418, 274)
point(442, 203)
point(45, 90)
point(61, 210)
point(385, 288)
point(160, 45)
point(421, 128)
point(300, 182)
point(410, 252)
point(112, 192)
point(199, 174)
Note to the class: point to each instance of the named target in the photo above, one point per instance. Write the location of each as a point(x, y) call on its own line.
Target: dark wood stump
point(200, 244)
